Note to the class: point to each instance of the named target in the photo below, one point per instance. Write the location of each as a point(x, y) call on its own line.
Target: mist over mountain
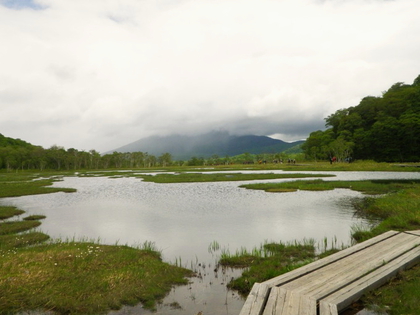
point(219, 143)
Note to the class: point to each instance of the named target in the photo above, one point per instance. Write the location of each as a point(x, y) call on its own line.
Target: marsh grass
point(34, 217)
point(370, 187)
point(217, 177)
point(8, 212)
point(83, 278)
point(20, 240)
point(361, 232)
point(398, 209)
point(267, 261)
point(23, 188)
point(78, 277)
point(68, 276)
point(399, 296)
point(12, 227)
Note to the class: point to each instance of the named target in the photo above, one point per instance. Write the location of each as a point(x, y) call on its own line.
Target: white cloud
point(95, 74)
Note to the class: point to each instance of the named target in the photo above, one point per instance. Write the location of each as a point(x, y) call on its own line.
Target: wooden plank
point(270, 307)
point(414, 232)
point(256, 300)
point(341, 299)
point(293, 305)
point(308, 305)
point(286, 302)
point(297, 292)
point(332, 277)
point(282, 302)
point(294, 274)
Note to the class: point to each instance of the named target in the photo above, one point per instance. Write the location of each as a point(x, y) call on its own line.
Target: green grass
point(399, 211)
point(11, 241)
point(8, 212)
point(399, 296)
point(34, 217)
point(370, 187)
point(23, 188)
point(268, 261)
point(217, 177)
point(83, 278)
point(12, 227)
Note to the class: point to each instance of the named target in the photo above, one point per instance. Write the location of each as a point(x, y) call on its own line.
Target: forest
point(17, 154)
point(384, 129)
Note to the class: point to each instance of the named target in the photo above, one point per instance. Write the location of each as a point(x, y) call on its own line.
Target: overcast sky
point(96, 74)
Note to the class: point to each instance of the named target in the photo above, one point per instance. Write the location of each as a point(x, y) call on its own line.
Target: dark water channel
point(184, 219)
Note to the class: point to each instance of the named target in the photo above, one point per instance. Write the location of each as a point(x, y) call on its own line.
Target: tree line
point(384, 129)
point(18, 154)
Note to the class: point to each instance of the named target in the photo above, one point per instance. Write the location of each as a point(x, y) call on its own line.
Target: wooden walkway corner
point(329, 285)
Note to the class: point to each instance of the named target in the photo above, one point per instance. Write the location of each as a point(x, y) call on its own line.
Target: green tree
point(165, 159)
point(56, 156)
point(334, 120)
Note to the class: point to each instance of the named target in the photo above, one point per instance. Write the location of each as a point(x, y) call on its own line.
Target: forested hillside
point(385, 128)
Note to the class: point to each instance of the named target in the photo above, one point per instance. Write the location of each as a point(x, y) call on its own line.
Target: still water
point(184, 219)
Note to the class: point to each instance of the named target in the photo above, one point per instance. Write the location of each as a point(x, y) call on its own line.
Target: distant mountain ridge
point(219, 143)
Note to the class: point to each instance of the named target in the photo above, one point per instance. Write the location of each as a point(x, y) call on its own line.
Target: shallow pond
point(184, 219)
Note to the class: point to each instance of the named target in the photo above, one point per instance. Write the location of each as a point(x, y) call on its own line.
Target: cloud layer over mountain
point(100, 74)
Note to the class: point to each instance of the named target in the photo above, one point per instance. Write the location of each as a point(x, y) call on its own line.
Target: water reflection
point(183, 219)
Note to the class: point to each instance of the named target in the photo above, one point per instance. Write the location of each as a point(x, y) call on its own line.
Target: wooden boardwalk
point(329, 285)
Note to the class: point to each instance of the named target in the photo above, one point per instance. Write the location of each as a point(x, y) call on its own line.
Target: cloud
point(98, 75)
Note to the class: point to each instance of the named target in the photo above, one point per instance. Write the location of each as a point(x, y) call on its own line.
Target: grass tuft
point(267, 261)
point(34, 217)
point(12, 227)
point(8, 212)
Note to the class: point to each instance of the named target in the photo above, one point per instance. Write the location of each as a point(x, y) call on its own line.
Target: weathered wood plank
point(414, 232)
point(254, 304)
point(308, 305)
point(270, 307)
point(282, 301)
point(336, 275)
point(286, 302)
point(341, 299)
point(335, 280)
point(294, 274)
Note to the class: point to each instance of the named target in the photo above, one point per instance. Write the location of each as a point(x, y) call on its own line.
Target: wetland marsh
point(182, 219)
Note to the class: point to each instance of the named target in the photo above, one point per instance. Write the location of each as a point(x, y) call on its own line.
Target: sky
point(100, 74)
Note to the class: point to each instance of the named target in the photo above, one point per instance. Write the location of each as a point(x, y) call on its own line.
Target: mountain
point(219, 143)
